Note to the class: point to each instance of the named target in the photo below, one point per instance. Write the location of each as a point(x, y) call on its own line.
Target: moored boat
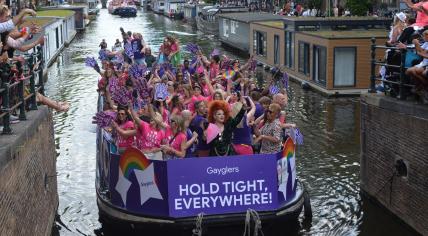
point(207, 20)
point(127, 11)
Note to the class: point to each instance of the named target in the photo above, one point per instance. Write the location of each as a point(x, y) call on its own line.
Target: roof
point(57, 13)
point(39, 21)
point(347, 34)
point(251, 16)
point(274, 24)
point(351, 18)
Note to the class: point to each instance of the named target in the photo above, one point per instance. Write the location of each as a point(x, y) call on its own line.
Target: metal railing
point(19, 94)
point(402, 82)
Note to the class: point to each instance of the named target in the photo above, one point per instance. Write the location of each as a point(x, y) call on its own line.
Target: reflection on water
point(328, 163)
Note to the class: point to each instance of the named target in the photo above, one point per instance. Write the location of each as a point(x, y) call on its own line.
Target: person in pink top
point(422, 12)
point(175, 139)
point(124, 123)
point(149, 136)
point(421, 23)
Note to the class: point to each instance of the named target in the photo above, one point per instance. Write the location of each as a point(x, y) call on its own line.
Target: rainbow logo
point(228, 74)
point(132, 159)
point(289, 148)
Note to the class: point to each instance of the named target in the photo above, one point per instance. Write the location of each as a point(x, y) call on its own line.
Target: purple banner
point(222, 185)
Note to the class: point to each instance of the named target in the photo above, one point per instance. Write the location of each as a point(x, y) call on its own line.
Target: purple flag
point(215, 52)
point(274, 89)
point(285, 80)
point(137, 71)
point(129, 51)
point(104, 119)
point(161, 91)
point(91, 62)
point(192, 48)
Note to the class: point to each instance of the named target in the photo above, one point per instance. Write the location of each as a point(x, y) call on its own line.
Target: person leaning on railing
point(7, 23)
point(419, 73)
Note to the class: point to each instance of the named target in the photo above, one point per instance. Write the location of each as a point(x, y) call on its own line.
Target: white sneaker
point(13, 119)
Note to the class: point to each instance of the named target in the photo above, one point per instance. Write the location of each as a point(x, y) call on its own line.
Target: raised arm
point(124, 133)
point(18, 19)
point(411, 5)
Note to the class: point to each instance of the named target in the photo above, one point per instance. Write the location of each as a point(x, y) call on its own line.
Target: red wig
point(214, 106)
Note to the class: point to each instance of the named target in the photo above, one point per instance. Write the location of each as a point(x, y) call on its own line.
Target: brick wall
point(28, 187)
point(392, 130)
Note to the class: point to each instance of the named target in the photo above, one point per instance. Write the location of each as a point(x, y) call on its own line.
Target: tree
point(358, 7)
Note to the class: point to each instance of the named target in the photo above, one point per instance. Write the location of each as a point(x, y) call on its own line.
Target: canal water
point(328, 162)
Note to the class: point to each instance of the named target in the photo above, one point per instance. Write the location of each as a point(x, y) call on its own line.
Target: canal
point(328, 162)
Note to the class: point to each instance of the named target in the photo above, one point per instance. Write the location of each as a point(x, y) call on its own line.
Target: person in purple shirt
point(242, 134)
point(255, 96)
point(202, 148)
point(137, 47)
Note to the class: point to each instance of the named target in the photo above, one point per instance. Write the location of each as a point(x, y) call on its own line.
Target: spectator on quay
point(421, 23)
point(7, 23)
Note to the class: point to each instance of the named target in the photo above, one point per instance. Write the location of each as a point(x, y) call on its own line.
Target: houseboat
point(331, 55)
point(158, 6)
point(174, 9)
point(80, 16)
point(54, 33)
point(207, 20)
point(218, 191)
point(92, 6)
point(67, 30)
point(234, 28)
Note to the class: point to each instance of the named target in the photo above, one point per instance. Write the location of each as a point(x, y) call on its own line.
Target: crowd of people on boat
point(409, 32)
point(169, 106)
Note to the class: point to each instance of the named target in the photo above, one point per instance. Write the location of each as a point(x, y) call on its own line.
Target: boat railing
point(396, 76)
point(20, 93)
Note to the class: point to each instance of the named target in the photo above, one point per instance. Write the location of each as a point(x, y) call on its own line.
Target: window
point(289, 49)
point(276, 49)
point(320, 65)
point(344, 66)
point(304, 58)
point(259, 44)
point(57, 37)
point(62, 37)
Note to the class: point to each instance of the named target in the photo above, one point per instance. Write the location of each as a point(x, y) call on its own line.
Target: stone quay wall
point(28, 183)
point(394, 157)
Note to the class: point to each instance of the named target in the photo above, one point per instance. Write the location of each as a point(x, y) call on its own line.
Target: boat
point(158, 6)
point(128, 10)
point(174, 9)
point(112, 6)
point(207, 20)
point(132, 189)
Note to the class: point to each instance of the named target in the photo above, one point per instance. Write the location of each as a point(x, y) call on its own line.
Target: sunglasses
point(173, 121)
point(121, 113)
point(269, 111)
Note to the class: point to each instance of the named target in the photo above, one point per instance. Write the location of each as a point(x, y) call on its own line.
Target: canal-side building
point(234, 28)
point(189, 11)
point(332, 56)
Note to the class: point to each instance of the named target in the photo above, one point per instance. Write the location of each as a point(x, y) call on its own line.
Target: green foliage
point(358, 7)
point(211, 1)
point(315, 3)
